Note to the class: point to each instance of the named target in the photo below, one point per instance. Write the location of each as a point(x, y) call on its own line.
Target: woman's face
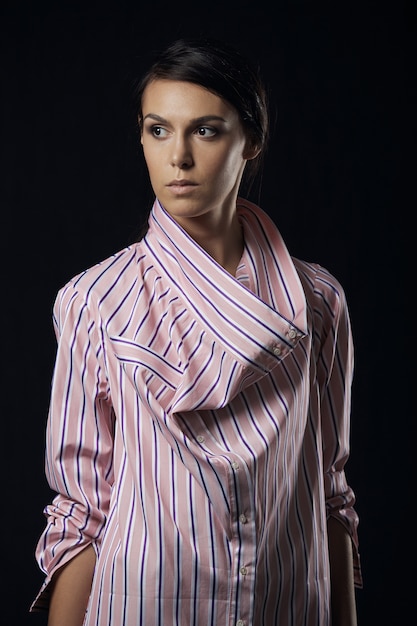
point(195, 150)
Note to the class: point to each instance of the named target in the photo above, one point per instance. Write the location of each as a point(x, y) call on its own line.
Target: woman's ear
point(251, 151)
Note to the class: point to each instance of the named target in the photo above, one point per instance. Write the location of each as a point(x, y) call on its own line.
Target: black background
point(73, 187)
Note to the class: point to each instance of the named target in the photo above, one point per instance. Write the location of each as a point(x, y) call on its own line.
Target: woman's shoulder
point(118, 269)
point(320, 285)
point(316, 273)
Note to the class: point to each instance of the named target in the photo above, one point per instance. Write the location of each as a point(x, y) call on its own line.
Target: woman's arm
point(79, 445)
point(71, 587)
point(343, 602)
point(335, 362)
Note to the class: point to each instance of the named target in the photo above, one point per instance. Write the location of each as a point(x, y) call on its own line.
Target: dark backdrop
point(73, 188)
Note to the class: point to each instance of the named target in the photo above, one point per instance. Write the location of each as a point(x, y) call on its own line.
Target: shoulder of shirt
point(103, 273)
point(318, 281)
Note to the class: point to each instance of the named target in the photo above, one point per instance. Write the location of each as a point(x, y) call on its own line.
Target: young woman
point(199, 419)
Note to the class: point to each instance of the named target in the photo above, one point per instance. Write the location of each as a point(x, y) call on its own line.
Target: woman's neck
point(223, 241)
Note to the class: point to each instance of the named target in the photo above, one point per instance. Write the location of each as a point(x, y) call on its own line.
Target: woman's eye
point(206, 131)
point(158, 131)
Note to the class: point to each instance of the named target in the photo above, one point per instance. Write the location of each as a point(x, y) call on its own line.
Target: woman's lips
point(180, 187)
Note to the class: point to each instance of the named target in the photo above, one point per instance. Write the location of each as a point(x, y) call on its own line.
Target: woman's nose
point(181, 155)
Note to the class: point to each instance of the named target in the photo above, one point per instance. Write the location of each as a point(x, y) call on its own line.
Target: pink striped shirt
point(198, 432)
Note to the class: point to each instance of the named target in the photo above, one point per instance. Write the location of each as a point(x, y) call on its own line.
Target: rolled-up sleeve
point(335, 363)
point(79, 439)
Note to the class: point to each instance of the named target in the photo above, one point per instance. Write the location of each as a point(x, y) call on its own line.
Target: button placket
point(244, 537)
point(244, 555)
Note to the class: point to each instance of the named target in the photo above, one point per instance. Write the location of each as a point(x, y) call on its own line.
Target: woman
point(199, 419)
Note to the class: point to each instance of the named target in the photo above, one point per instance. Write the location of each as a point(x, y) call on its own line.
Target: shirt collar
point(261, 323)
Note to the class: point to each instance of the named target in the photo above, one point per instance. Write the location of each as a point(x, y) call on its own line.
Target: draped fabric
point(198, 432)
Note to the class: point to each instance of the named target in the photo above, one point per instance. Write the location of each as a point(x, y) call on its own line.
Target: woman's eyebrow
point(204, 119)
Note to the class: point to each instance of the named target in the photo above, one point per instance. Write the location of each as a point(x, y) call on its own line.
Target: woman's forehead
point(182, 98)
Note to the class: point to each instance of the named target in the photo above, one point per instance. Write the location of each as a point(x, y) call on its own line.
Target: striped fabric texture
point(198, 432)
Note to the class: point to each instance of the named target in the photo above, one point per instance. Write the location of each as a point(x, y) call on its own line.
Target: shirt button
point(200, 438)
point(235, 465)
point(292, 334)
point(240, 622)
point(276, 350)
point(243, 519)
point(243, 571)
